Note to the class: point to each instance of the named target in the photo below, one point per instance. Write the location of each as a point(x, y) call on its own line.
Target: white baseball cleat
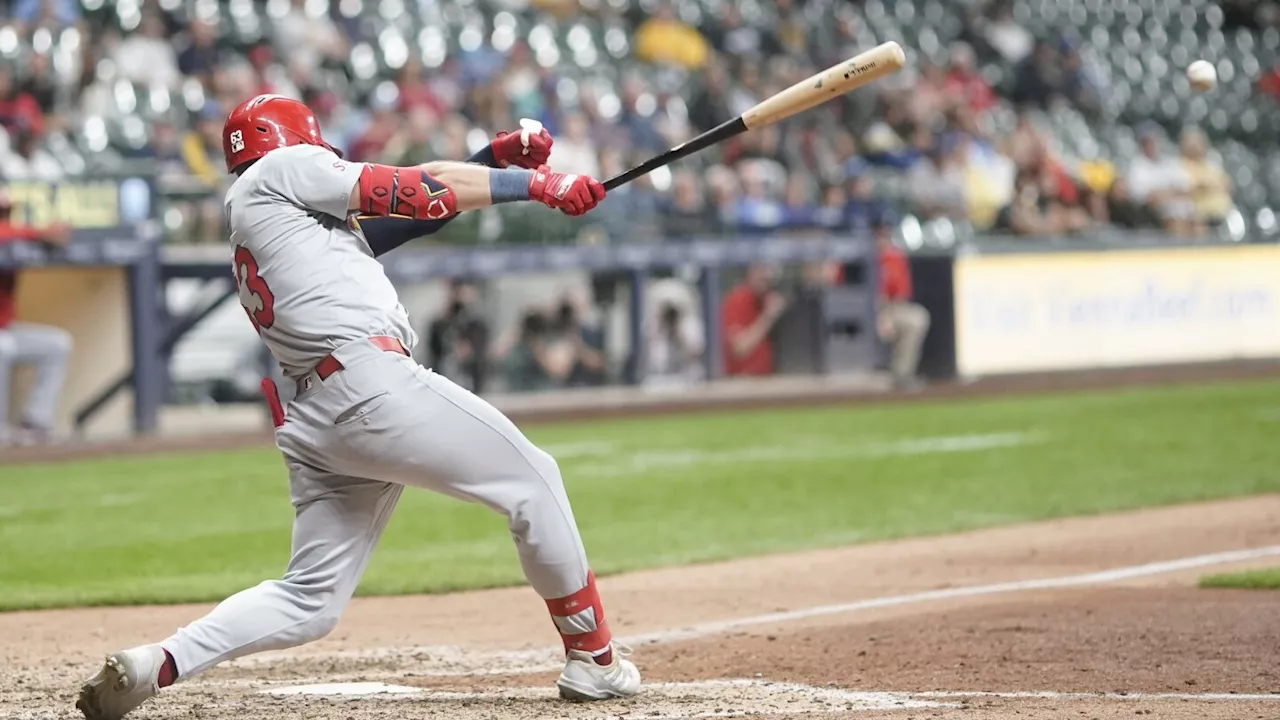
point(126, 680)
point(584, 679)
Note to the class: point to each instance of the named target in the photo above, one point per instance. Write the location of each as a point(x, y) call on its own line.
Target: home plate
point(708, 699)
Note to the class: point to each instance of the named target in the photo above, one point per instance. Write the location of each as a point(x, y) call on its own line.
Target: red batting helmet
point(266, 123)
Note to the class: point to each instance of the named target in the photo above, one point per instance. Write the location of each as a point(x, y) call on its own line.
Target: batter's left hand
point(570, 194)
point(528, 148)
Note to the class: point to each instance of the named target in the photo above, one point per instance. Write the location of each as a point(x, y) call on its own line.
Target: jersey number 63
point(255, 295)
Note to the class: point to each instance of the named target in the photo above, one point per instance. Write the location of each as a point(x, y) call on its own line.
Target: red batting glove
point(570, 194)
point(528, 148)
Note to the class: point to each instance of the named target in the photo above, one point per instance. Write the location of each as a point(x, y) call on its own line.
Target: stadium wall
point(1037, 312)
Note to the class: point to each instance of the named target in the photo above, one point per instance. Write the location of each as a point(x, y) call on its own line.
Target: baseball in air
point(1202, 75)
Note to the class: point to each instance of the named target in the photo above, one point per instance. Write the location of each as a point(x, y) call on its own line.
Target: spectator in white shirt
point(308, 37)
point(23, 157)
point(937, 182)
point(146, 56)
point(1011, 40)
point(1159, 182)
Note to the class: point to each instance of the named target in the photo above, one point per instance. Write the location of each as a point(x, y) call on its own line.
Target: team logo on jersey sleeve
point(237, 141)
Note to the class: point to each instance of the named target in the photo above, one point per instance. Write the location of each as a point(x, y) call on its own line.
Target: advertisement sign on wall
point(108, 220)
point(91, 207)
point(1038, 312)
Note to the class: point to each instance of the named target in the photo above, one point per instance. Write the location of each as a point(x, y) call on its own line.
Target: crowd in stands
point(152, 81)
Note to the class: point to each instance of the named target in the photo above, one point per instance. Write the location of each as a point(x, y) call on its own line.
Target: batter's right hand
point(570, 194)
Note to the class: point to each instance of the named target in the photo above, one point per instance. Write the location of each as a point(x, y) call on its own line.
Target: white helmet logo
point(237, 141)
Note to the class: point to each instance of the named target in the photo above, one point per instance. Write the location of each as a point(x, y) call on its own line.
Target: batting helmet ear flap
point(265, 123)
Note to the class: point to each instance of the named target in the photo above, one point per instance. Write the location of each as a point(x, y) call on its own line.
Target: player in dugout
point(44, 347)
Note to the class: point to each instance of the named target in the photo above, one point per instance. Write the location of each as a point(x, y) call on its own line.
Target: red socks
point(580, 620)
point(168, 671)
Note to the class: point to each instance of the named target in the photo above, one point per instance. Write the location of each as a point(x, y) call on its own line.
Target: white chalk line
point(368, 689)
point(452, 661)
point(1057, 583)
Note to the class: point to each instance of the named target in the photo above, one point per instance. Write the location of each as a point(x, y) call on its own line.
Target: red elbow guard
point(405, 192)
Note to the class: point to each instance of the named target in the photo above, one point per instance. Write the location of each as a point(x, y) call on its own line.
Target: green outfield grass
point(1267, 579)
point(653, 491)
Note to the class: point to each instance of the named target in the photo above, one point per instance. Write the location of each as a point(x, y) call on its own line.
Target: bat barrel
point(862, 69)
point(837, 80)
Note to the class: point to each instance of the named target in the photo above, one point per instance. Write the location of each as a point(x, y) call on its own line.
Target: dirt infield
point(1091, 618)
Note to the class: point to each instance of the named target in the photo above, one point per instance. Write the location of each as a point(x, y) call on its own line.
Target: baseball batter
point(367, 420)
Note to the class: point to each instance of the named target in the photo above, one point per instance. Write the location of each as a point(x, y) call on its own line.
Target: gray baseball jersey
point(354, 439)
point(306, 275)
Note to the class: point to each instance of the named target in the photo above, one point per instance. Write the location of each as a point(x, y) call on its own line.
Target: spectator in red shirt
point(964, 84)
point(47, 348)
point(1269, 83)
point(17, 109)
point(382, 126)
point(414, 90)
point(747, 316)
point(900, 322)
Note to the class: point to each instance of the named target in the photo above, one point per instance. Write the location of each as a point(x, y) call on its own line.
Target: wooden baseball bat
point(833, 82)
